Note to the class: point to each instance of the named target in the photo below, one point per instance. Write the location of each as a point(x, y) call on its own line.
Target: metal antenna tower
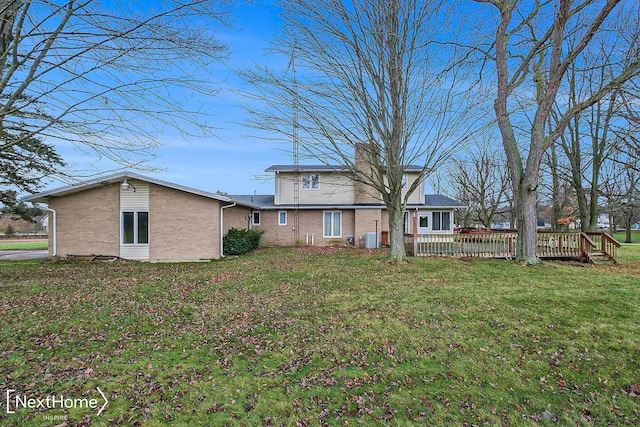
point(296, 153)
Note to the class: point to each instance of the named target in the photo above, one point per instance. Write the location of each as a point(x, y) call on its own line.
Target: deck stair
point(601, 258)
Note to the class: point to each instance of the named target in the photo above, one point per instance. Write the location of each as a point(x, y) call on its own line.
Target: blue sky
point(234, 160)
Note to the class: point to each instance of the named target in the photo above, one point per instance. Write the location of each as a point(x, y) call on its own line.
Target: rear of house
point(144, 219)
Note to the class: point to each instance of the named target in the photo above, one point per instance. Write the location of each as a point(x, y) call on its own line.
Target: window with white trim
point(441, 221)
point(135, 228)
point(332, 224)
point(407, 223)
point(255, 218)
point(310, 181)
point(405, 180)
point(282, 218)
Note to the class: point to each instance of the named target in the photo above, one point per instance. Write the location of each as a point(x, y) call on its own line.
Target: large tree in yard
point(533, 46)
point(22, 167)
point(102, 75)
point(370, 74)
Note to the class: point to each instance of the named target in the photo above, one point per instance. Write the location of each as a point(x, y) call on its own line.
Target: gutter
point(54, 251)
point(222, 208)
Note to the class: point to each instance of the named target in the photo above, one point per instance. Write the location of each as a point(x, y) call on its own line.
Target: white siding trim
point(135, 201)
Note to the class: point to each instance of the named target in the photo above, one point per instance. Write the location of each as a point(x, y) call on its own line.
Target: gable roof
point(117, 178)
point(307, 168)
point(254, 201)
point(440, 201)
point(324, 168)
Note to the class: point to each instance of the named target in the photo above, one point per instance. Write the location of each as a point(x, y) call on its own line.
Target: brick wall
point(88, 222)
point(182, 226)
point(236, 217)
point(365, 222)
point(276, 235)
point(311, 223)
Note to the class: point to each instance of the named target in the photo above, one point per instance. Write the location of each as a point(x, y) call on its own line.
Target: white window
point(135, 228)
point(407, 223)
point(310, 181)
point(332, 224)
point(405, 180)
point(255, 218)
point(441, 221)
point(282, 218)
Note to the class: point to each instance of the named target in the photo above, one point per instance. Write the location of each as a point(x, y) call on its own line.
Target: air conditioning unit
point(371, 240)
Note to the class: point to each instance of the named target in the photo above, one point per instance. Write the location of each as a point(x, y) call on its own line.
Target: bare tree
point(368, 71)
point(627, 137)
point(555, 185)
point(481, 180)
point(621, 189)
point(105, 75)
point(532, 54)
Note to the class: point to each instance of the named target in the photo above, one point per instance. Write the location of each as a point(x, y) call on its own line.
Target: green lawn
point(291, 337)
point(23, 245)
point(621, 235)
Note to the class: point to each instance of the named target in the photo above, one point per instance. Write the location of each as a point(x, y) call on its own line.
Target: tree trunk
point(396, 232)
point(556, 203)
point(627, 225)
point(529, 230)
point(527, 223)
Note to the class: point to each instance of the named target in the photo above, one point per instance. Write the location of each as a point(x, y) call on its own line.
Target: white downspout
point(222, 208)
point(54, 252)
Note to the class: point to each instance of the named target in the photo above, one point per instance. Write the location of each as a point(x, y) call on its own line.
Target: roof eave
point(44, 196)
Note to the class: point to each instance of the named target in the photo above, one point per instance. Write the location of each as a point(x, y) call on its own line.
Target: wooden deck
point(588, 247)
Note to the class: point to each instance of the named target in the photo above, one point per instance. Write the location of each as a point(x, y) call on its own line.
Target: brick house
point(137, 217)
point(332, 209)
point(142, 218)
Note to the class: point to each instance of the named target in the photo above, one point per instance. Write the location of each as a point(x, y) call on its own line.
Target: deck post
point(415, 233)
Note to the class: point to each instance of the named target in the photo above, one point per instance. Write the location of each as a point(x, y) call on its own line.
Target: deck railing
point(502, 245)
point(610, 246)
point(489, 245)
point(606, 244)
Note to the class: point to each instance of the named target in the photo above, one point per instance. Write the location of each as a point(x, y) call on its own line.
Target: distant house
point(501, 221)
point(38, 225)
point(138, 217)
point(42, 223)
point(603, 221)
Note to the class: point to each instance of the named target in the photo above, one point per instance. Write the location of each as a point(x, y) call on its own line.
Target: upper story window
point(310, 181)
point(405, 180)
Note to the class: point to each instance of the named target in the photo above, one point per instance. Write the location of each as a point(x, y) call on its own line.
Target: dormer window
point(310, 181)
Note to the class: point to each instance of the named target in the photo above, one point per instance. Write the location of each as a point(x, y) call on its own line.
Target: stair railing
point(609, 246)
point(586, 246)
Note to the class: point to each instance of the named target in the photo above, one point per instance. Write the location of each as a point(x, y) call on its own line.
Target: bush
point(240, 242)
point(9, 231)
